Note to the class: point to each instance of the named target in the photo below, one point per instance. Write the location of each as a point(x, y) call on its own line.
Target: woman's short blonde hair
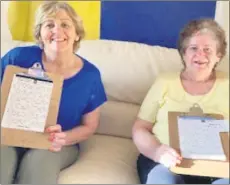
point(50, 8)
point(200, 25)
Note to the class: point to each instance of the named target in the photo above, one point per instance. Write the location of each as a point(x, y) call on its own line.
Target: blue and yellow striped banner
point(150, 22)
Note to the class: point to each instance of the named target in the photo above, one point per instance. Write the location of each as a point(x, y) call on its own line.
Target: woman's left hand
point(57, 137)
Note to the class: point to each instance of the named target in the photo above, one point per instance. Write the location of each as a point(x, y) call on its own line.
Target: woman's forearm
point(145, 141)
point(90, 122)
point(78, 134)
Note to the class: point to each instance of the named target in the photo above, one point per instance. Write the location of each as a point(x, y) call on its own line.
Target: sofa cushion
point(128, 69)
point(103, 160)
point(7, 45)
point(117, 118)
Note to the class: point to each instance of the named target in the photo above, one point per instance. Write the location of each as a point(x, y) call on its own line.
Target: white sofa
point(128, 70)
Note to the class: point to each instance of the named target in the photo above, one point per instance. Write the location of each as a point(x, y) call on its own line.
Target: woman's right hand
point(167, 156)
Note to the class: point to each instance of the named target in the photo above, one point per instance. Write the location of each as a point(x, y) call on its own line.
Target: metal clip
point(196, 109)
point(36, 70)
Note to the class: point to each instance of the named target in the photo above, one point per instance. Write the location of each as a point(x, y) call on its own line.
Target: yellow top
point(167, 94)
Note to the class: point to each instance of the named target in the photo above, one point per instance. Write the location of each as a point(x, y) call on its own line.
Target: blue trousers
point(151, 172)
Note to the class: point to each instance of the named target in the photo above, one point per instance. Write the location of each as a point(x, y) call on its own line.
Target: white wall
point(222, 16)
point(5, 32)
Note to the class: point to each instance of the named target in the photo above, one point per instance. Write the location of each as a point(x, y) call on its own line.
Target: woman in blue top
point(58, 31)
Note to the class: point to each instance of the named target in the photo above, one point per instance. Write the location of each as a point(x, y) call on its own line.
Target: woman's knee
point(9, 161)
point(221, 181)
point(44, 166)
point(39, 166)
point(162, 175)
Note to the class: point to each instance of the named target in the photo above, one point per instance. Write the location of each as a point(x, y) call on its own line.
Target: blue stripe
point(150, 22)
point(196, 118)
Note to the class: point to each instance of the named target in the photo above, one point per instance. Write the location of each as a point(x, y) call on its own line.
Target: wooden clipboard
point(25, 138)
point(209, 168)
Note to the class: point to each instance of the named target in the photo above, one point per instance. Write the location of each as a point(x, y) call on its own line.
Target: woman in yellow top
point(202, 45)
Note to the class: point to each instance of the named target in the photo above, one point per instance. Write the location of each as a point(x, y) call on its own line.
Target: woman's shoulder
point(168, 76)
point(89, 67)
point(222, 74)
point(22, 56)
point(222, 79)
point(166, 80)
point(24, 50)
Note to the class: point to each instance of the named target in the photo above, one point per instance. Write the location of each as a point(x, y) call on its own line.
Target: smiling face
point(58, 32)
point(200, 55)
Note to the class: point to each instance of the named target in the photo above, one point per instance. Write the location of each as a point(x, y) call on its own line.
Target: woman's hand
point(57, 137)
point(167, 156)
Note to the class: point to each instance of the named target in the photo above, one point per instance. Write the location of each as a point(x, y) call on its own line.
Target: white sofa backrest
point(128, 69)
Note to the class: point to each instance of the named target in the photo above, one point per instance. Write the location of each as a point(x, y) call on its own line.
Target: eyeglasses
point(202, 50)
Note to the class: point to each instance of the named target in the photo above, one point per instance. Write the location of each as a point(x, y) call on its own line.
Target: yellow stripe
point(89, 11)
point(21, 18)
point(29, 30)
point(17, 19)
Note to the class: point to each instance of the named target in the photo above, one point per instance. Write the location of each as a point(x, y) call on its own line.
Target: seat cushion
point(103, 160)
point(117, 118)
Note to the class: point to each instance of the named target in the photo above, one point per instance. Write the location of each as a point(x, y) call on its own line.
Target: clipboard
point(27, 138)
point(211, 168)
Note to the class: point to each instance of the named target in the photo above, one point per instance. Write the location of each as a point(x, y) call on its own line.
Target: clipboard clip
point(196, 110)
point(36, 72)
